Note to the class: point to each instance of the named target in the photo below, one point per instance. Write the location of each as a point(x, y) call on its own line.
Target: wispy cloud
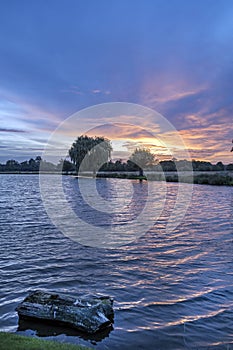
point(75, 90)
point(120, 131)
point(12, 130)
point(96, 91)
point(172, 56)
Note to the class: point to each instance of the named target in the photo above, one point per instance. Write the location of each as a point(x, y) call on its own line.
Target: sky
point(58, 57)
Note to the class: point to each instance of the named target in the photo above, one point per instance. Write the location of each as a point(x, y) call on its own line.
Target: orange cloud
point(211, 143)
point(120, 131)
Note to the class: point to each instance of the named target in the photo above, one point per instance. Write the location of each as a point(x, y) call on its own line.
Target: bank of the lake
point(224, 178)
point(218, 178)
point(12, 341)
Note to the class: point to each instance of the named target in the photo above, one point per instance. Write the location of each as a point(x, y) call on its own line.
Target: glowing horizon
point(119, 52)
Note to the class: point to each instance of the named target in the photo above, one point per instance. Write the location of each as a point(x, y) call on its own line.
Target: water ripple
point(172, 291)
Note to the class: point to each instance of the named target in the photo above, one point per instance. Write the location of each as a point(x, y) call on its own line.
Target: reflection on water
point(43, 329)
point(171, 290)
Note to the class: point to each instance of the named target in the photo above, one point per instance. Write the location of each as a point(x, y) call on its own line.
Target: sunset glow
point(154, 53)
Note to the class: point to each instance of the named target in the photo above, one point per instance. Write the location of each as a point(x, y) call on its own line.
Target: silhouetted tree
point(168, 165)
point(47, 166)
point(12, 165)
point(218, 167)
point(90, 153)
point(229, 167)
point(65, 165)
point(143, 158)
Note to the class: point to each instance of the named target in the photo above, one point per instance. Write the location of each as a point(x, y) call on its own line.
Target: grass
point(12, 341)
point(201, 179)
point(214, 179)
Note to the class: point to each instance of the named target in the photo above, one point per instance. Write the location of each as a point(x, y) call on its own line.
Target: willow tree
point(89, 153)
point(143, 158)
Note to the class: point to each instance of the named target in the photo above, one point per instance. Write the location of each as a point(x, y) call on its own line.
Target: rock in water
point(88, 314)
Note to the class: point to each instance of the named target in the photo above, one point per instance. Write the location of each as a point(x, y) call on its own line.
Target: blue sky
point(58, 57)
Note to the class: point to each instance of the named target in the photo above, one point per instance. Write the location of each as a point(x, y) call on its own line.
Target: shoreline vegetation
point(9, 341)
point(197, 172)
point(223, 178)
point(201, 178)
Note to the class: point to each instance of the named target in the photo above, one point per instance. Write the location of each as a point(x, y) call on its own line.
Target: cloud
point(12, 130)
point(120, 131)
point(175, 57)
point(72, 91)
point(210, 143)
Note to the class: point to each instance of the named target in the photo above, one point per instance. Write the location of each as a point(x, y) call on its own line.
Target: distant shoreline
point(218, 178)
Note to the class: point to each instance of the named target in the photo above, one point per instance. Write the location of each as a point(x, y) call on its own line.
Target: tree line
point(167, 165)
point(94, 154)
point(33, 165)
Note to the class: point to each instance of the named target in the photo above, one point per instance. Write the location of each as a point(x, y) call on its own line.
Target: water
point(171, 290)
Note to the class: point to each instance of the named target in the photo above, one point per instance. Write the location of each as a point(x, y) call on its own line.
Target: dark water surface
point(171, 291)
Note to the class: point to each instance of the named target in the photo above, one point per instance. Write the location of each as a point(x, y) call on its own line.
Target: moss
point(12, 341)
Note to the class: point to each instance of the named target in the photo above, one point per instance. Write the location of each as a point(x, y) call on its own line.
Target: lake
point(172, 290)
